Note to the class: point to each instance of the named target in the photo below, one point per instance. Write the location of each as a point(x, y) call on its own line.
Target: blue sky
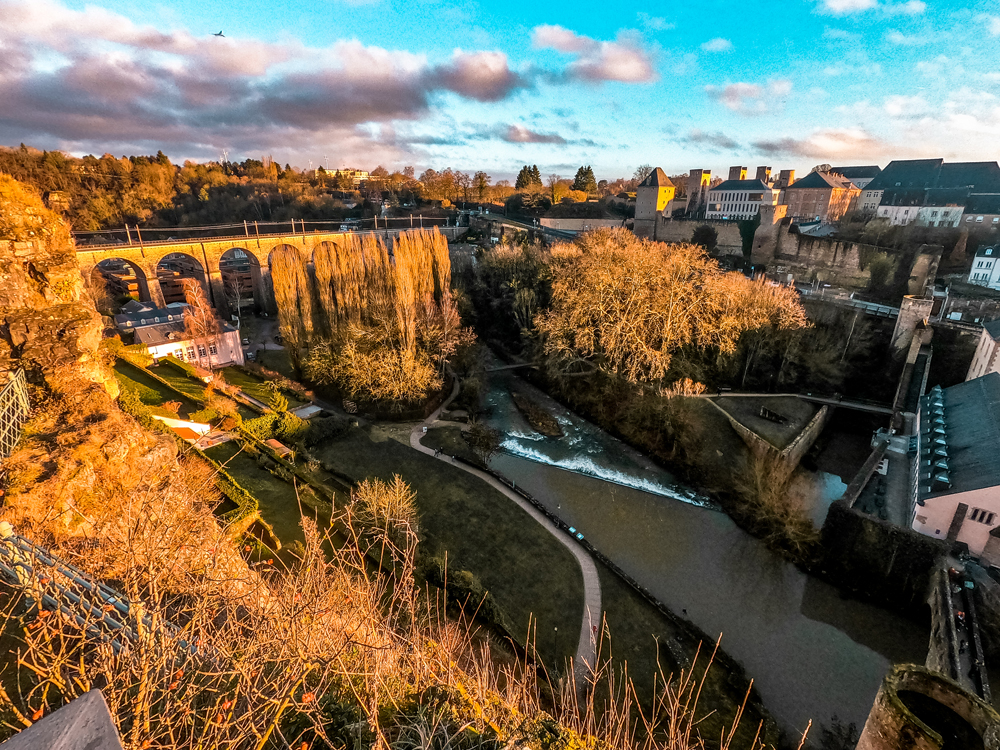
point(495, 85)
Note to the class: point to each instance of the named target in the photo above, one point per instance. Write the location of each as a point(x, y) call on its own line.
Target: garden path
point(586, 652)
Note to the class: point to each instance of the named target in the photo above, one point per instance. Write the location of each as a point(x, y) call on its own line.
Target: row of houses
point(926, 192)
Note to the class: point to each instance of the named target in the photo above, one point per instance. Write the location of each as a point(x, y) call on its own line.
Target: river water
point(811, 653)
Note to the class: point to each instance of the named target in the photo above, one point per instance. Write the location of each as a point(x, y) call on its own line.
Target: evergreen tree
point(524, 178)
point(536, 176)
point(585, 180)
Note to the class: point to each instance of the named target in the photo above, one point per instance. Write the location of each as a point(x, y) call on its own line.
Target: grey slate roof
point(988, 250)
point(983, 204)
point(993, 328)
point(972, 429)
point(741, 185)
point(858, 172)
point(150, 316)
point(657, 178)
point(909, 173)
point(821, 180)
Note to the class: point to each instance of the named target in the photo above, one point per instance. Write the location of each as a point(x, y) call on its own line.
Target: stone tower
point(652, 197)
point(698, 182)
point(924, 710)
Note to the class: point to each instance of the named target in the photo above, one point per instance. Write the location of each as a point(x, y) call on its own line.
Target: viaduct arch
point(146, 257)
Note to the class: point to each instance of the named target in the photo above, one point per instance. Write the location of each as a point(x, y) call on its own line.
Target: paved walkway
point(586, 652)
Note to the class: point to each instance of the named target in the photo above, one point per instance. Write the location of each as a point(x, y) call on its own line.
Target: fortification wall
point(580, 225)
point(877, 560)
point(680, 230)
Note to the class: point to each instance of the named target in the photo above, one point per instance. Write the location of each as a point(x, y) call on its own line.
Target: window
point(945, 213)
point(179, 354)
point(934, 213)
point(201, 351)
point(989, 251)
point(191, 352)
point(982, 516)
point(212, 349)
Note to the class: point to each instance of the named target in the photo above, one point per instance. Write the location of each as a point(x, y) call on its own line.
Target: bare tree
point(200, 322)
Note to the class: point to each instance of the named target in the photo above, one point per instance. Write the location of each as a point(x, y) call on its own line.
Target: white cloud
point(846, 7)
point(992, 24)
point(904, 40)
point(624, 60)
point(911, 8)
point(655, 23)
point(751, 98)
point(941, 66)
point(717, 45)
point(843, 7)
point(906, 106)
point(828, 144)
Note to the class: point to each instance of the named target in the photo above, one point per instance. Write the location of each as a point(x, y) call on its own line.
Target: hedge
point(184, 367)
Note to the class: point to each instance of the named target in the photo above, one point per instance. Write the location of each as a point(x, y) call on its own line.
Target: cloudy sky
point(492, 85)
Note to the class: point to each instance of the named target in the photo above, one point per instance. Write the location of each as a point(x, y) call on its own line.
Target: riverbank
point(784, 627)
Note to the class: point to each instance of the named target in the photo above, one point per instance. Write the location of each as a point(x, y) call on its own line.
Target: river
point(811, 653)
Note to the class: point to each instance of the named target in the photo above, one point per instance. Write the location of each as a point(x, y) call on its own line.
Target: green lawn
point(131, 372)
point(527, 570)
point(255, 387)
point(278, 361)
point(188, 386)
point(276, 498)
point(449, 441)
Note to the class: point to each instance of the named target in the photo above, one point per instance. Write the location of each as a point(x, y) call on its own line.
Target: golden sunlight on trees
point(291, 292)
point(391, 322)
point(200, 323)
point(626, 306)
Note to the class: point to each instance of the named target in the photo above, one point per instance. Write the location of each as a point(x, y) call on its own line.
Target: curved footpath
point(586, 651)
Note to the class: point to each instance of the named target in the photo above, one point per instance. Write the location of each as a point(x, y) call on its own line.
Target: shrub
point(204, 415)
point(261, 428)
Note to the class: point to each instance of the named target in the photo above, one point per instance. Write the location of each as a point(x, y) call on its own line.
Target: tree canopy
point(626, 305)
point(585, 180)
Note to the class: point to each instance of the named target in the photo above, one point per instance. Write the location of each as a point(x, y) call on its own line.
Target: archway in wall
point(241, 280)
point(171, 272)
point(113, 281)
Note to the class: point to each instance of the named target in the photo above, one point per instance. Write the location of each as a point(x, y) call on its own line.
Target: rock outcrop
point(48, 324)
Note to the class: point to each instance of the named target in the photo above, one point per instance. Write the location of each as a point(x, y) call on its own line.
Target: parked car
point(246, 341)
point(251, 356)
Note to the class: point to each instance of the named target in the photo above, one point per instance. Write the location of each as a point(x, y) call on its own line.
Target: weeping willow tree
point(390, 319)
point(292, 294)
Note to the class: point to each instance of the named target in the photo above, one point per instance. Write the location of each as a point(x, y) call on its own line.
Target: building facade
point(739, 199)
point(956, 481)
point(985, 360)
point(985, 269)
point(821, 196)
point(163, 332)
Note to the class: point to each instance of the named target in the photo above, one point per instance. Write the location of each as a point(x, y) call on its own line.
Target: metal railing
point(15, 407)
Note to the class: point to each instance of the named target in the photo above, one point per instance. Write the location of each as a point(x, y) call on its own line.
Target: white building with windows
point(162, 331)
point(735, 200)
point(956, 483)
point(985, 269)
point(928, 216)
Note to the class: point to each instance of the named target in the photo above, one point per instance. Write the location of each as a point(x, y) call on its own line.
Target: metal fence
point(14, 410)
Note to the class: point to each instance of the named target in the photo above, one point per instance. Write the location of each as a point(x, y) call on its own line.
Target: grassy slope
point(276, 498)
point(254, 387)
point(134, 373)
point(650, 642)
point(526, 569)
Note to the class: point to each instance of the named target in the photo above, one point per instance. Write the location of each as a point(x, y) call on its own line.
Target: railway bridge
point(155, 263)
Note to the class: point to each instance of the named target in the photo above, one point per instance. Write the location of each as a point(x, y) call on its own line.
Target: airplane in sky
point(219, 34)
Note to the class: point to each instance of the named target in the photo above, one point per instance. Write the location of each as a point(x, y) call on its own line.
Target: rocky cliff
point(48, 324)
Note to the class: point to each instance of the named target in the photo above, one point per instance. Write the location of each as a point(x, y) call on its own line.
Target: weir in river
point(812, 654)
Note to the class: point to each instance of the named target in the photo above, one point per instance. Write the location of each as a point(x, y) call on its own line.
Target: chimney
point(737, 173)
point(764, 175)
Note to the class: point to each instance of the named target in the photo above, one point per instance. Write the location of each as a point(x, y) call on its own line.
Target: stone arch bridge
point(145, 259)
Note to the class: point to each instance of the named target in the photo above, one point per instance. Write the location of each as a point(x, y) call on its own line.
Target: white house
point(739, 199)
point(985, 269)
point(171, 340)
point(928, 216)
point(956, 484)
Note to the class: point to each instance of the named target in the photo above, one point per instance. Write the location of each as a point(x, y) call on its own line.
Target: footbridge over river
point(201, 258)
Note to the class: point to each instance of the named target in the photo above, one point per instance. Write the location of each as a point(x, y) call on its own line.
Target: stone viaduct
point(206, 254)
